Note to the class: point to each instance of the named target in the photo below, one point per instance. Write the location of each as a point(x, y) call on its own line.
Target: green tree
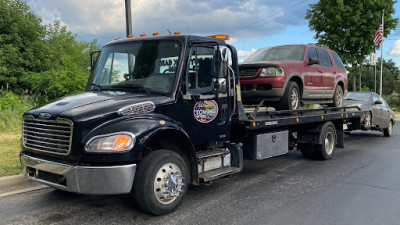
point(68, 63)
point(21, 48)
point(391, 77)
point(349, 26)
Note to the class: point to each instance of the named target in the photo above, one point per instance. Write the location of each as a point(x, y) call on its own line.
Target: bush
point(8, 100)
point(12, 107)
point(58, 83)
point(393, 100)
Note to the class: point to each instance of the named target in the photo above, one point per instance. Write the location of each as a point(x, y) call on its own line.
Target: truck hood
point(94, 104)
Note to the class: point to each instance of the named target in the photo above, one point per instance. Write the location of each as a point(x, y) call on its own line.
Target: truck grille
point(249, 72)
point(52, 136)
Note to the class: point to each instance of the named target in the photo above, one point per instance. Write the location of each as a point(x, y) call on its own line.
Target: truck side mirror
point(219, 85)
point(93, 58)
point(378, 102)
point(313, 60)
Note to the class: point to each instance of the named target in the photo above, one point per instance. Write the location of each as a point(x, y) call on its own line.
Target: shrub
point(8, 100)
point(12, 107)
point(393, 100)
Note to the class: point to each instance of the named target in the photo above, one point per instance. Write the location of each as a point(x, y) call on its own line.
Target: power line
point(266, 19)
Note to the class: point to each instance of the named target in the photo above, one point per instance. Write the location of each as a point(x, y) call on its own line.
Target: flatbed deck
point(277, 119)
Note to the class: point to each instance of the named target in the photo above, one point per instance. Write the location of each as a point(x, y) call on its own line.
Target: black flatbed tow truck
point(160, 113)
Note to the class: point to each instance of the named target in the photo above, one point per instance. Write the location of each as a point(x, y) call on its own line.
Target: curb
point(12, 180)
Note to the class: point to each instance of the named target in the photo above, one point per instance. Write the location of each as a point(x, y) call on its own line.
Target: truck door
point(205, 110)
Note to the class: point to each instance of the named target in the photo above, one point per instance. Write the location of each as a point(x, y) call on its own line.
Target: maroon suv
point(284, 76)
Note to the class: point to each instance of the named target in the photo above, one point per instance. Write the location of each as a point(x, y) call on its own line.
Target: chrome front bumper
point(100, 180)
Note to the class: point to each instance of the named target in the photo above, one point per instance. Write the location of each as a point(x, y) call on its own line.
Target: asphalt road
point(360, 185)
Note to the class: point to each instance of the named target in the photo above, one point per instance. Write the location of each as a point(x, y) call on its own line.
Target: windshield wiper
point(132, 86)
point(96, 85)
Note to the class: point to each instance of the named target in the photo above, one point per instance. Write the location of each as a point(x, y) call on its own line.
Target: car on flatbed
point(288, 75)
point(378, 116)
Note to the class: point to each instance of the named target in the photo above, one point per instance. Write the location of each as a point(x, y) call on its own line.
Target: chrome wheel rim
point(329, 141)
point(368, 120)
point(339, 100)
point(168, 183)
point(294, 98)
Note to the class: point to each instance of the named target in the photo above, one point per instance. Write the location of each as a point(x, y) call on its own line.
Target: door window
point(311, 53)
point(201, 69)
point(337, 59)
point(375, 97)
point(325, 61)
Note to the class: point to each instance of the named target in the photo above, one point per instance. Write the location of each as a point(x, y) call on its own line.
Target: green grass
point(9, 151)
point(11, 110)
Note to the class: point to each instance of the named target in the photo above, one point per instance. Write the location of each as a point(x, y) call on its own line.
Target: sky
point(251, 24)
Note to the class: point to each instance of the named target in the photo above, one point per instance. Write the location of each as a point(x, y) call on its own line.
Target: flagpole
point(375, 69)
point(383, 26)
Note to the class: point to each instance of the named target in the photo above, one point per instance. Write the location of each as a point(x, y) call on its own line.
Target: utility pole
point(128, 16)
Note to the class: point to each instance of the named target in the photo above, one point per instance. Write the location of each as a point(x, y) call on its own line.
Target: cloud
point(246, 54)
point(395, 51)
point(241, 19)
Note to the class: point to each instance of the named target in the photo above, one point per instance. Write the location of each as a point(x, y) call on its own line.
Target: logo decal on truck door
point(205, 111)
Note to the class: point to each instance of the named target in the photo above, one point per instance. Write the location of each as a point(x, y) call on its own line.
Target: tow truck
point(159, 113)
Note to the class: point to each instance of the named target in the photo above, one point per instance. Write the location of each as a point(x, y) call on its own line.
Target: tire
point(160, 182)
point(307, 151)
point(367, 121)
point(337, 97)
point(324, 151)
point(291, 98)
point(388, 132)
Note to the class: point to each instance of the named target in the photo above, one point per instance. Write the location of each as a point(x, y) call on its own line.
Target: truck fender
point(145, 128)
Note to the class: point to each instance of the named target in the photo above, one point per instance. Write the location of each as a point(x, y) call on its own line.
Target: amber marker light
point(130, 36)
point(121, 142)
point(142, 35)
point(220, 36)
point(111, 143)
point(297, 120)
point(322, 117)
point(254, 124)
point(177, 32)
point(155, 33)
point(117, 39)
point(342, 114)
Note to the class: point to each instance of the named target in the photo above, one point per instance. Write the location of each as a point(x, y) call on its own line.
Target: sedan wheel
point(367, 121)
point(388, 132)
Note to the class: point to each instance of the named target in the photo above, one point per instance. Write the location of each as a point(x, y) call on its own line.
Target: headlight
point(272, 72)
point(116, 142)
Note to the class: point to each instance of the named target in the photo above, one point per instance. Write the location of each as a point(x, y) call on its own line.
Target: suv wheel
point(338, 97)
point(291, 98)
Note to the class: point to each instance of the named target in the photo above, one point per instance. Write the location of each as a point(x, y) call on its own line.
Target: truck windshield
point(277, 53)
point(148, 66)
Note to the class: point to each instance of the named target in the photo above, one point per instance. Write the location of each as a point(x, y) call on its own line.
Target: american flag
point(379, 34)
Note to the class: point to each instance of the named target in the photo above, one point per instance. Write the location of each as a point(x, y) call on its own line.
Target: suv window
point(201, 68)
point(312, 53)
point(337, 59)
point(324, 59)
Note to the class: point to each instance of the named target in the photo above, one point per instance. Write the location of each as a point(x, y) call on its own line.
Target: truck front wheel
point(161, 182)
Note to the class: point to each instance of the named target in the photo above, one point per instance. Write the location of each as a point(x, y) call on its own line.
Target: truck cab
point(155, 110)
